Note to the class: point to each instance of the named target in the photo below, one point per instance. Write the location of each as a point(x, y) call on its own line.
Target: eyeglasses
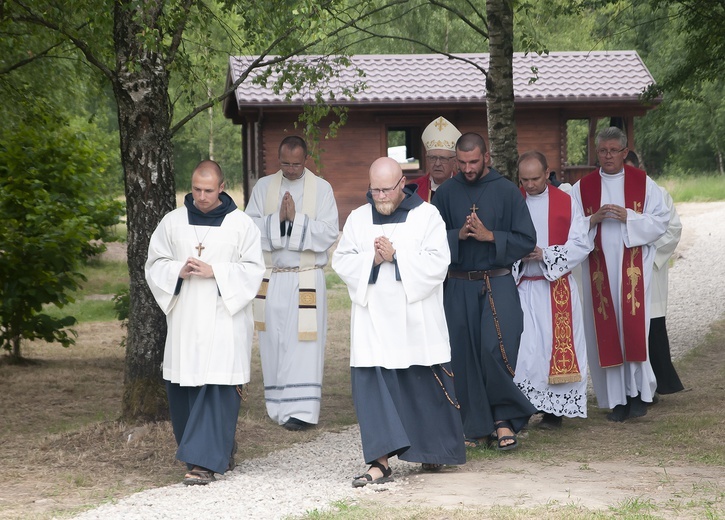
point(291, 166)
point(610, 153)
point(439, 159)
point(384, 191)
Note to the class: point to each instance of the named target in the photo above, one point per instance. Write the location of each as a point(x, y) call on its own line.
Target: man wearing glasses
point(627, 213)
point(439, 139)
point(297, 215)
point(393, 256)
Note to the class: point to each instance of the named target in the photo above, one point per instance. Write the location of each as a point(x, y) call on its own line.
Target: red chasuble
point(563, 367)
point(633, 297)
point(423, 187)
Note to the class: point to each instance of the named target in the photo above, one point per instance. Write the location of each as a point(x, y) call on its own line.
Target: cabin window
point(404, 146)
point(577, 142)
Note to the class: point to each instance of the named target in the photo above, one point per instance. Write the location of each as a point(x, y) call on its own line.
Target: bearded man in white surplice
point(393, 256)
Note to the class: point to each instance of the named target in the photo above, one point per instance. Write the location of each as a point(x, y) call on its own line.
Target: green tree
point(138, 47)
point(702, 56)
point(55, 211)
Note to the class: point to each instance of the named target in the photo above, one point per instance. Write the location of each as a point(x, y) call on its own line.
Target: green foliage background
point(684, 135)
point(55, 208)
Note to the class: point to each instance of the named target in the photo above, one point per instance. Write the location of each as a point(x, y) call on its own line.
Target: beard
point(386, 207)
point(479, 174)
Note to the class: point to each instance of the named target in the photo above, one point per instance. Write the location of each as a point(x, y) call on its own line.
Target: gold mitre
point(440, 134)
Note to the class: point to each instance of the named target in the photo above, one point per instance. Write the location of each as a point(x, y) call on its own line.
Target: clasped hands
point(473, 227)
point(537, 255)
point(384, 250)
point(195, 267)
point(287, 208)
point(608, 211)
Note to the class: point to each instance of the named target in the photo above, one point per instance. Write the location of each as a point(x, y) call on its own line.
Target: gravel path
point(311, 476)
point(695, 299)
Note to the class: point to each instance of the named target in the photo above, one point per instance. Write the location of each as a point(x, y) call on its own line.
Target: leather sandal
point(199, 477)
point(502, 438)
point(367, 478)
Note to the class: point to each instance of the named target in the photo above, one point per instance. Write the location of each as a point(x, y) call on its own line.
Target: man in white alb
point(296, 212)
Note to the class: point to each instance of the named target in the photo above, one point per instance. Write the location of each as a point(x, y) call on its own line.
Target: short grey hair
point(610, 134)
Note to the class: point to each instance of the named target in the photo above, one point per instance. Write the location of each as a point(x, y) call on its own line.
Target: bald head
point(384, 170)
point(386, 184)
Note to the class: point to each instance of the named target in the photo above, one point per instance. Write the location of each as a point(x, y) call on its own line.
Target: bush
point(55, 215)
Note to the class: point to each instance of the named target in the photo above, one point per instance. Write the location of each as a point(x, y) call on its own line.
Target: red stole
point(424, 191)
point(633, 311)
point(563, 366)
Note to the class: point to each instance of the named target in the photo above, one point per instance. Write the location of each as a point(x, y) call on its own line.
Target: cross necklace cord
point(473, 209)
point(200, 247)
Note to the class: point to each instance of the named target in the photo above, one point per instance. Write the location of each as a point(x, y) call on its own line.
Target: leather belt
point(478, 275)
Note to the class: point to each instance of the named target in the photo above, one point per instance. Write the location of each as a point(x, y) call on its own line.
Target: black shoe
point(620, 413)
point(295, 425)
point(637, 407)
point(655, 399)
point(550, 422)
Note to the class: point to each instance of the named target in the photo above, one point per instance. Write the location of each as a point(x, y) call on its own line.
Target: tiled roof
point(434, 78)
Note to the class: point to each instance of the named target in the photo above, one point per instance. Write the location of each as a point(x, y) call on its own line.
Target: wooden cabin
point(560, 99)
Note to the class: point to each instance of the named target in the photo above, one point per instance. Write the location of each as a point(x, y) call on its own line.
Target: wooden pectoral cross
point(474, 208)
point(200, 248)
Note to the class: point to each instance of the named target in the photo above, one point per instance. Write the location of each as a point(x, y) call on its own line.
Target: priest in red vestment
point(627, 214)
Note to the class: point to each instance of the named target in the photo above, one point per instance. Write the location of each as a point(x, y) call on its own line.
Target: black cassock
point(483, 383)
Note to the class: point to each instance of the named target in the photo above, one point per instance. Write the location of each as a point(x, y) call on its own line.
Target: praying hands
point(287, 208)
point(475, 228)
point(384, 250)
point(195, 267)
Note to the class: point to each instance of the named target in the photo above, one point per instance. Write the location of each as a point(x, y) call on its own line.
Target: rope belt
point(486, 290)
point(295, 269)
point(533, 278)
point(478, 275)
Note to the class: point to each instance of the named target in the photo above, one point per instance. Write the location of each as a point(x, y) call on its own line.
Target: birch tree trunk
point(141, 90)
point(500, 88)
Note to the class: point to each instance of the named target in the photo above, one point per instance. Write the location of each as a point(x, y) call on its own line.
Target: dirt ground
point(62, 450)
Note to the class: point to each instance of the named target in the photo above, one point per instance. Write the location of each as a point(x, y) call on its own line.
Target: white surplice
point(532, 366)
point(665, 245)
point(210, 325)
point(396, 323)
point(293, 369)
point(613, 385)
